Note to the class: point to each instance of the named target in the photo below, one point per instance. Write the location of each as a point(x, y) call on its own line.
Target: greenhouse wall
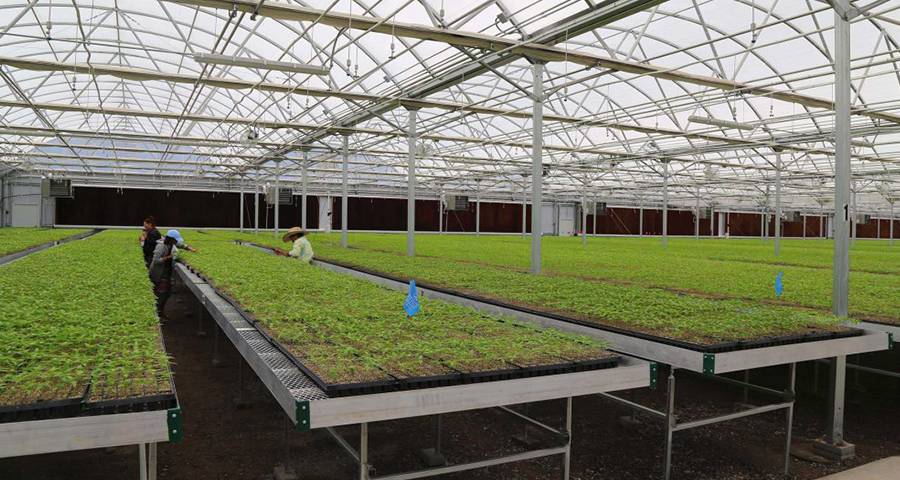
point(121, 207)
point(127, 207)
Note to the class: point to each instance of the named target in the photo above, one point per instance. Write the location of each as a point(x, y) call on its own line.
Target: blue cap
point(176, 235)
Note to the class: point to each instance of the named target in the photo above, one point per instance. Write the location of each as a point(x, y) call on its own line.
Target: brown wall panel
point(122, 207)
point(390, 214)
point(886, 228)
point(743, 225)
point(626, 221)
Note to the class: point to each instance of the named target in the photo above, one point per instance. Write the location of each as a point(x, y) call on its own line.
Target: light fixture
point(216, 59)
point(715, 122)
point(862, 143)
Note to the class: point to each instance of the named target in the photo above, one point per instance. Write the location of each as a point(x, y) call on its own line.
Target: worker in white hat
point(302, 249)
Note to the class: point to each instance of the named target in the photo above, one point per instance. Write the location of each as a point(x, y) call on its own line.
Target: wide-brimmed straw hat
point(294, 231)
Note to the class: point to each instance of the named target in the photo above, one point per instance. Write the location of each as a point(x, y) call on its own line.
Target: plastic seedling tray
point(63, 407)
point(414, 382)
point(705, 348)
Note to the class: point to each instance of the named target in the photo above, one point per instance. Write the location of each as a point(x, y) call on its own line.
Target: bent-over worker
point(179, 241)
point(302, 249)
point(161, 271)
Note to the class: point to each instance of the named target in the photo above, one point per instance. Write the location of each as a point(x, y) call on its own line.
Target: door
point(325, 214)
point(548, 219)
point(567, 220)
point(26, 215)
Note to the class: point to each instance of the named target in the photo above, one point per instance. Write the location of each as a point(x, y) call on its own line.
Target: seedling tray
point(78, 406)
point(413, 382)
point(160, 400)
point(721, 347)
point(133, 404)
point(65, 407)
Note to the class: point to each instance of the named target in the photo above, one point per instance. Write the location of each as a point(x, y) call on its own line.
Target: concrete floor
point(884, 469)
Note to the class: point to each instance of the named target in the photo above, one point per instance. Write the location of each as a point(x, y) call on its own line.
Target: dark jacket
point(150, 244)
point(161, 269)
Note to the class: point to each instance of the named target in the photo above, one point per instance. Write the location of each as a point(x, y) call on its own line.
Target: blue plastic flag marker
point(411, 304)
point(779, 284)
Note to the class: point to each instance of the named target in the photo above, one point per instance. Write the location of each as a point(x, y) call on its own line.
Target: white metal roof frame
point(106, 92)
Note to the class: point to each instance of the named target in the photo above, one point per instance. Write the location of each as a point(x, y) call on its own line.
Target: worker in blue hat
point(179, 240)
point(161, 269)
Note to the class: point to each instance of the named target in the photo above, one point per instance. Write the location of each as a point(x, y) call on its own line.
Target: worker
point(302, 249)
point(161, 270)
point(149, 237)
point(179, 241)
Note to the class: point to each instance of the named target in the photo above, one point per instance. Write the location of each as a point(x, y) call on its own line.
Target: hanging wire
point(50, 20)
point(349, 37)
point(393, 38)
point(566, 68)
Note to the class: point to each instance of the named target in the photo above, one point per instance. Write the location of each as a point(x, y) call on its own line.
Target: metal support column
point(584, 221)
point(641, 219)
point(762, 225)
point(256, 205)
point(304, 179)
point(567, 457)
point(789, 419)
point(411, 183)
point(804, 226)
point(478, 212)
point(2, 200)
point(841, 275)
point(777, 203)
point(364, 451)
point(241, 206)
point(537, 167)
point(822, 220)
point(277, 193)
point(853, 223)
point(670, 424)
point(665, 210)
point(441, 210)
point(891, 230)
point(840, 296)
point(697, 216)
point(142, 457)
point(524, 207)
point(837, 386)
point(344, 172)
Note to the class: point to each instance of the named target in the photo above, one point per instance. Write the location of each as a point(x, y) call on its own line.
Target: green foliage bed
point(16, 239)
point(654, 311)
point(82, 314)
point(348, 330)
point(731, 269)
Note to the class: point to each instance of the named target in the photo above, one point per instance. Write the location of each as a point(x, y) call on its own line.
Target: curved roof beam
point(538, 51)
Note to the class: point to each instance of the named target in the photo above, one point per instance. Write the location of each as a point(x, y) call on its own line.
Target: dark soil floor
point(224, 442)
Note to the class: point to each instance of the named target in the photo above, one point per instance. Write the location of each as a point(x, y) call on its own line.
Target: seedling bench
point(308, 407)
point(679, 357)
